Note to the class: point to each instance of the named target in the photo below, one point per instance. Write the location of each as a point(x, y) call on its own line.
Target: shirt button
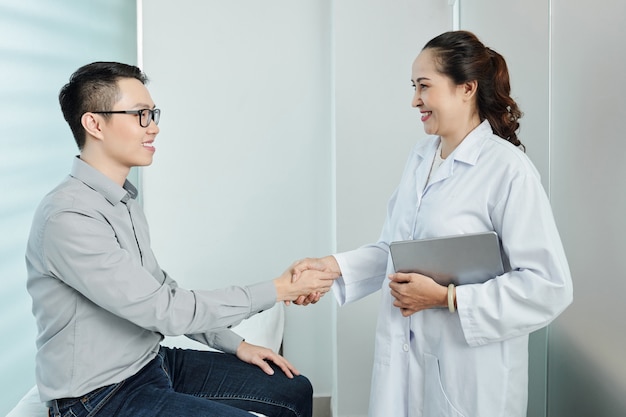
point(405, 347)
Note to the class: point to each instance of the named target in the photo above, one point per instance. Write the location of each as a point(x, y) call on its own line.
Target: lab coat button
point(405, 347)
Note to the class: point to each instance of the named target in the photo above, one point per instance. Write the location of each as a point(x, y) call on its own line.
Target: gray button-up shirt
point(101, 301)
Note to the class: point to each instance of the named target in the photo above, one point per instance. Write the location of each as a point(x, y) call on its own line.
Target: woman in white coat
point(445, 351)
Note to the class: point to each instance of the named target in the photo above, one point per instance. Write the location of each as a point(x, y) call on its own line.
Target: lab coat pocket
point(436, 402)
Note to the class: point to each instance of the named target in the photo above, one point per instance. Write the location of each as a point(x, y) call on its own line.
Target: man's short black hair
point(93, 87)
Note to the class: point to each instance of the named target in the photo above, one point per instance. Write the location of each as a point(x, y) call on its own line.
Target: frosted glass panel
point(41, 43)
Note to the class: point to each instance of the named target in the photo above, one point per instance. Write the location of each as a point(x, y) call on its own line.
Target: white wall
point(241, 184)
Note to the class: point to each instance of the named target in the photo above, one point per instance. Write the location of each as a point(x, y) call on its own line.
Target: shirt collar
point(99, 182)
point(467, 151)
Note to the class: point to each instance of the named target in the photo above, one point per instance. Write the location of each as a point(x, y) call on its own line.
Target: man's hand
point(259, 356)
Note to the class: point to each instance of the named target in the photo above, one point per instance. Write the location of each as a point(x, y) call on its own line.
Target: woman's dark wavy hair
point(463, 57)
point(93, 87)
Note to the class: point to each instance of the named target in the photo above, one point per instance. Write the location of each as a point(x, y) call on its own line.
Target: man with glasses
point(102, 303)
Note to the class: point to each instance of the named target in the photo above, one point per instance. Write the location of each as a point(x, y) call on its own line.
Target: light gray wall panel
point(587, 365)
point(376, 42)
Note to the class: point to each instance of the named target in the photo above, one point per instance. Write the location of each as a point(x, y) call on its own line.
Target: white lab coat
point(473, 363)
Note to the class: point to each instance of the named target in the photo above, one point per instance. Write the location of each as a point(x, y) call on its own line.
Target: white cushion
point(29, 406)
point(264, 329)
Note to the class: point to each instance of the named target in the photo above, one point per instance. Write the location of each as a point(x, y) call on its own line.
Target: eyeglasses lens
point(147, 115)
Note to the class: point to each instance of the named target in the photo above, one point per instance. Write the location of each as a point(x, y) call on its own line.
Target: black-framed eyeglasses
point(145, 115)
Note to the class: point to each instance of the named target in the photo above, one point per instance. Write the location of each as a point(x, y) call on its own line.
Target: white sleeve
point(363, 271)
point(537, 288)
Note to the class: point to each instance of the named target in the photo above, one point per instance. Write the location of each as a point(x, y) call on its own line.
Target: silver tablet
point(461, 259)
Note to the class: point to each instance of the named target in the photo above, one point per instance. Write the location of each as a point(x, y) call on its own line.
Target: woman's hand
point(259, 356)
point(327, 263)
point(416, 292)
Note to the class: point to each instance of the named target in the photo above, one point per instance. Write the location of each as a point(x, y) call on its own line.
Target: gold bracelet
point(451, 298)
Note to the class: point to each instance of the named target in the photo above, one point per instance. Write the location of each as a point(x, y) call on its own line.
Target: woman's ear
point(91, 124)
point(470, 88)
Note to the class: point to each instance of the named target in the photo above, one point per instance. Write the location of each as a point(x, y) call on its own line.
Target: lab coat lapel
point(467, 152)
point(426, 153)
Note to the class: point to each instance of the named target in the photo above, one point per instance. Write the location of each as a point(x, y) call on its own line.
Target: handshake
point(307, 280)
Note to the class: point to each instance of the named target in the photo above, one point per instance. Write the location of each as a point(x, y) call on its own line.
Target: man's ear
point(92, 125)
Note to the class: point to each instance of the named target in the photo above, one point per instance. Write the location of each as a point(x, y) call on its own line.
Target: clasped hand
point(301, 268)
point(304, 280)
point(415, 292)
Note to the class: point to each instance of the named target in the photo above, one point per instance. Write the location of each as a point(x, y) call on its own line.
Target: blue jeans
point(181, 383)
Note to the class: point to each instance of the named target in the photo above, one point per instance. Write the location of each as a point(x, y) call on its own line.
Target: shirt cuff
point(262, 296)
point(225, 340)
